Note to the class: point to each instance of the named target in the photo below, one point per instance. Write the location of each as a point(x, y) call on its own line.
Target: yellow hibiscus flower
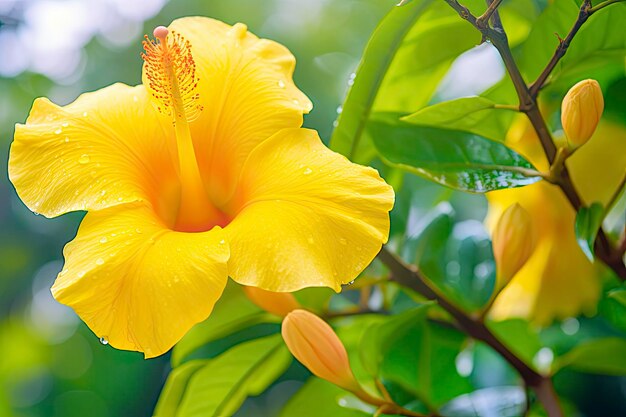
point(558, 281)
point(201, 173)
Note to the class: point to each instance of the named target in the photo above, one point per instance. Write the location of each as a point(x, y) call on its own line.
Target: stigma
point(171, 72)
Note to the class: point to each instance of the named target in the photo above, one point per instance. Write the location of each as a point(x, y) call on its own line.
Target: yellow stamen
point(171, 73)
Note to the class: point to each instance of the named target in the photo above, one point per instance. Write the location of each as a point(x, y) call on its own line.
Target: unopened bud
point(513, 243)
point(581, 110)
point(314, 343)
point(278, 303)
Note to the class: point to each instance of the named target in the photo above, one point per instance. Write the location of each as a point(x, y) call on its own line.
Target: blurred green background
point(50, 362)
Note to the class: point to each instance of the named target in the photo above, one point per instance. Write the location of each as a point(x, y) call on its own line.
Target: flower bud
point(278, 303)
point(581, 111)
point(513, 243)
point(314, 343)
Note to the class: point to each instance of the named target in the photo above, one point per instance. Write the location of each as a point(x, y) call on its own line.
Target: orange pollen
point(171, 72)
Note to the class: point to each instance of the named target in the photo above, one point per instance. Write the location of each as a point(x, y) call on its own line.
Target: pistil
point(170, 69)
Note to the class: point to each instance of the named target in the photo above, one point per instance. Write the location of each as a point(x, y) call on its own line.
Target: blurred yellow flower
point(316, 345)
point(581, 110)
point(277, 303)
point(201, 173)
point(558, 281)
point(513, 243)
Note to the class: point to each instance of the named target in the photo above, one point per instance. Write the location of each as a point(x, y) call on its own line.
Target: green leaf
point(319, 398)
point(233, 312)
point(222, 385)
point(602, 356)
point(174, 389)
point(417, 355)
point(619, 295)
point(379, 337)
point(469, 114)
point(596, 52)
point(519, 336)
point(455, 159)
point(588, 222)
point(380, 51)
point(493, 401)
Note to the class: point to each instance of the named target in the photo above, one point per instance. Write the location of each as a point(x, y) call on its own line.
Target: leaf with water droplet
point(459, 160)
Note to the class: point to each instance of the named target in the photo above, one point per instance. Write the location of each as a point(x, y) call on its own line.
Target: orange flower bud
point(314, 343)
point(581, 111)
point(513, 243)
point(278, 303)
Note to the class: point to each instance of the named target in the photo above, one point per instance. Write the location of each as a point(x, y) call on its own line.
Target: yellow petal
point(247, 94)
point(278, 303)
point(557, 281)
point(104, 149)
point(137, 284)
point(310, 217)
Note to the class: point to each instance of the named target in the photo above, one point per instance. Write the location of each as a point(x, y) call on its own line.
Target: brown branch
point(605, 251)
point(409, 276)
point(583, 15)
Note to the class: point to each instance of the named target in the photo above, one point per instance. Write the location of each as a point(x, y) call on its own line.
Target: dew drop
point(66, 124)
point(84, 158)
point(135, 99)
point(307, 171)
point(296, 102)
point(350, 283)
point(81, 274)
point(58, 131)
point(104, 341)
point(222, 242)
point(339, 109)
point(99, 261)
point(104, 239)
point(66, 139)
point(85, 114)
point(281, 83)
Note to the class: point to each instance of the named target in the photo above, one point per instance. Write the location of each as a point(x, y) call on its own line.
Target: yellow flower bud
point(278, 303)
point(513, 243)
point(581, 111)
point(314, 343)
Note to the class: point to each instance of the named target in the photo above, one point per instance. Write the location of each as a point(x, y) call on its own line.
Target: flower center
point(171, 72)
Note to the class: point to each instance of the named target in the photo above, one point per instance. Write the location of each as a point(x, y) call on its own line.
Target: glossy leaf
point(221, 386)
point(588, 222)
point(601, 356)
point(519, 336)
point(494, 401)
point(319, 398)
point(174, 389)
point(469, 114)
point(377, 58)
point(379, 337)
point(597, 51)
point(455, 159)
point(232, 313)
point(618, 294)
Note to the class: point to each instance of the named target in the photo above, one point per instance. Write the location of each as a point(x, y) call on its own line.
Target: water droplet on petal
point(84, 158)
point(66, 139)
point(99, 261)
point(104, 341)
point(222, 242)
point(307, 171)
point(66, 124)
point(103, 239)
point(281, 83)
point(58, 131)
point(339, 109)
point(85, 114)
